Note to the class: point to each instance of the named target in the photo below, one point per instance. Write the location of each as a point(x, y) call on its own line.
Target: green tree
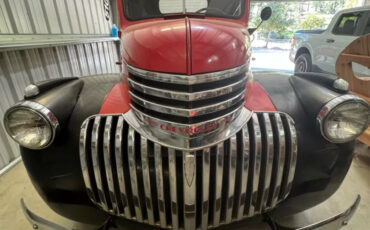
point(280, 20)
point(312, 22)
point(328, 7)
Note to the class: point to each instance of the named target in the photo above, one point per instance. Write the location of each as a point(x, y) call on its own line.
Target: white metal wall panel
point(78, 17)
point(38, 22)
point(5, 26)
point(20, 68)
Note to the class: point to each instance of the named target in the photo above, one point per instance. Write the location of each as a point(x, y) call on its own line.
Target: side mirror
point(266, 13)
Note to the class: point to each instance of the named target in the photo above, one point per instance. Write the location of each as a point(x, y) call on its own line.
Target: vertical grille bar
point(107, 162)
point(95, 145)
point(128, 175)
point(173, 188)
point(255, 126)
point(218, 180)
point(280, 156)
point(146, 178)
point(293, 157)
point(245, 151)
point(232, 171)
point(133, 176)
point(205, 191)
point(160, 187)
point(268, 151)
point(84, 151)
point(119, 163)
point(189, 175)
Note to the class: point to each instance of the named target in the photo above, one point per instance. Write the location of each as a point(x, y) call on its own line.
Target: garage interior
point(43, 40)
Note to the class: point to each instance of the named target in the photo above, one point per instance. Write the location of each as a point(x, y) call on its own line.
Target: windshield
point(144, 9)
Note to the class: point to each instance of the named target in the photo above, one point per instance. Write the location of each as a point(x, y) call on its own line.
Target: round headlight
point(31, 125)
point(344, 119)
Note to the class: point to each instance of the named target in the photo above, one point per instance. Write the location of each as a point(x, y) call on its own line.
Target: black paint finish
point(56, 171)
point(321, 165)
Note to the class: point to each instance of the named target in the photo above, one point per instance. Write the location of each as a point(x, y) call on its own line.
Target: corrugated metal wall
point(53, 17)
point(22, 67)
point(44, 20)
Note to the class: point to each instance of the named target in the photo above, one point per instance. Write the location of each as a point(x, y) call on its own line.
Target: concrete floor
point(15, 184)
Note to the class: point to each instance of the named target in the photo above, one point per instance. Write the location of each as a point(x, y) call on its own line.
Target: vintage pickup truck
point(187, 137)
point(318, 50)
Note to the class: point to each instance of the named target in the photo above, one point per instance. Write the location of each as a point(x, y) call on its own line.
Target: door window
point(367, 28)
point(347, 24)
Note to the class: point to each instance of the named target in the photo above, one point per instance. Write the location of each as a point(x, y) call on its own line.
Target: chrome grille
point(129, 175)
point(187, 99)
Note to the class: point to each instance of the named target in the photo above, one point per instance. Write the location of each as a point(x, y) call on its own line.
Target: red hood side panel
point(217, 45)
point(158, 45)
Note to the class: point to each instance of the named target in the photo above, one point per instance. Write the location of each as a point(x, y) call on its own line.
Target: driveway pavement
point(271, 60)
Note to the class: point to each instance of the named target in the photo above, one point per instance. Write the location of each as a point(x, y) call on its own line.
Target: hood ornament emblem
point(189, 168)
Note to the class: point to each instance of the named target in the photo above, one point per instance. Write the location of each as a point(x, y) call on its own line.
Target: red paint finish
point(158, 45)
point(217, 45)
point(117, 101)
point(257, 99)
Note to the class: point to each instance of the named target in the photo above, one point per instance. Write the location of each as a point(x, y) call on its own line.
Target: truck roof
point(362, 8)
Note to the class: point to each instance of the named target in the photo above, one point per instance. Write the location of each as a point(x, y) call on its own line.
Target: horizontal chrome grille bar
point(188, 79)
point(182, 96)
point(132, 176)
point(188, 112)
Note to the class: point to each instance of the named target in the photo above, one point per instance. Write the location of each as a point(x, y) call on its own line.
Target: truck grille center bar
point(130, 175)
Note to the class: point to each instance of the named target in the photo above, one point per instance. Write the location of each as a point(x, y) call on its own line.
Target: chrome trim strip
point(107, 162)
point(333, 223)
point(206, 161)
point(281, 155)
point(269, 161)
point(293, 157)
point(188, 79)
point(40, 109)
point(85, 172)
point(187, 112)
point(146, 179)
point(182, 96)
point(328, 108)
point(245, 151)
point(131, 150)
point(232, 152)
point(253, 205)
point(39, 223)
point(189, 179)
point(96, 163)
point(218, 180)
point(155, 129)
point(119, 162)
point(160, 186)
point(173, 188)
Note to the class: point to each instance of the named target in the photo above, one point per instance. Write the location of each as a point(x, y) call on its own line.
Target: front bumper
point(333, 223)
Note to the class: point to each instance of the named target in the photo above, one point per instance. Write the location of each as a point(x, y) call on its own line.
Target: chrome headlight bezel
point(331, 107)
point(46, 114)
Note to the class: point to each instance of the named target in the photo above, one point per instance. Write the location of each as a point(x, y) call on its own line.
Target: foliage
point(312, 22)
point(329, 7)
point(279, 21)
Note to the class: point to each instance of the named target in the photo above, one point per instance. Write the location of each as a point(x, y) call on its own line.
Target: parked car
point(187, 137)
point(318, 50)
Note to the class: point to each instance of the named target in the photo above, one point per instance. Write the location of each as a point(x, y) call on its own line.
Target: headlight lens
point(29, 127)
point(344, 119)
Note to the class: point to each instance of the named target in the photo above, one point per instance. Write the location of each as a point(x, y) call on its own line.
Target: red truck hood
point(185, 46)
